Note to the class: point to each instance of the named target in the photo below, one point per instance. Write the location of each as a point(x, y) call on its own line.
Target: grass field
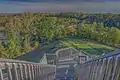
point(87, 46)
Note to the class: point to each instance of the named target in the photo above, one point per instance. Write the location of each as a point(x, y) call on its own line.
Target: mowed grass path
point(89, 47)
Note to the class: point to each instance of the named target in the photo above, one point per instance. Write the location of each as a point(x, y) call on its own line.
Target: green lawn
point(89, 47)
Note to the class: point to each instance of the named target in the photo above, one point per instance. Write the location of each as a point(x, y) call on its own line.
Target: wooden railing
point(106, 67)
point(22, 70)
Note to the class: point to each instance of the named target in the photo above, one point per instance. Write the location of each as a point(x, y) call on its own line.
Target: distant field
point(89, 47)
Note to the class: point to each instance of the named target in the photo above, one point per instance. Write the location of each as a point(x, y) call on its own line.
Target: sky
point(89, 6)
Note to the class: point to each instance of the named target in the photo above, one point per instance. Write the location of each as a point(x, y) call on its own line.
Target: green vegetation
point(87, 46)
point(26, 31)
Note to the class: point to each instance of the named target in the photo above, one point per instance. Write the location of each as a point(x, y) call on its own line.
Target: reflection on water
point(60, 7)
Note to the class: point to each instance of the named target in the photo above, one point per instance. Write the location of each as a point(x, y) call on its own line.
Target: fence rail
point(106, 67)
point(22, 70)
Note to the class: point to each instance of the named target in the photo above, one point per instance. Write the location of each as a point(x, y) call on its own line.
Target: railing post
point(14, 71)
point(25, 71)
point(32, 72)
point(1, 74)
point(36, 68)
point(21, 71)
point(36, 71)
point(9, 67)
point(29, 72)
point(39, 70)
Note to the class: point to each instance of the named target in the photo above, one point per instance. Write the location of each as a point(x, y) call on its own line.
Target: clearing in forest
point(87, 46)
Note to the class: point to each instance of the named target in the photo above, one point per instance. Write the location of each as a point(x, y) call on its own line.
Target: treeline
point(105, 31)
point(27, 31)
point(108, 19)
point(99, 33)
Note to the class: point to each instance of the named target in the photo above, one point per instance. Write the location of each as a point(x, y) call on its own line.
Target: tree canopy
point(26, 31)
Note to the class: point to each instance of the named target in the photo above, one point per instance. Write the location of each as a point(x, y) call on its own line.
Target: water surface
point(60, 6)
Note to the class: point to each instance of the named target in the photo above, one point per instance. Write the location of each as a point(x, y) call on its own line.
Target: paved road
point(65, 70)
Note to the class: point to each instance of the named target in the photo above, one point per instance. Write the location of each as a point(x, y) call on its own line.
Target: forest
point(26, 31)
